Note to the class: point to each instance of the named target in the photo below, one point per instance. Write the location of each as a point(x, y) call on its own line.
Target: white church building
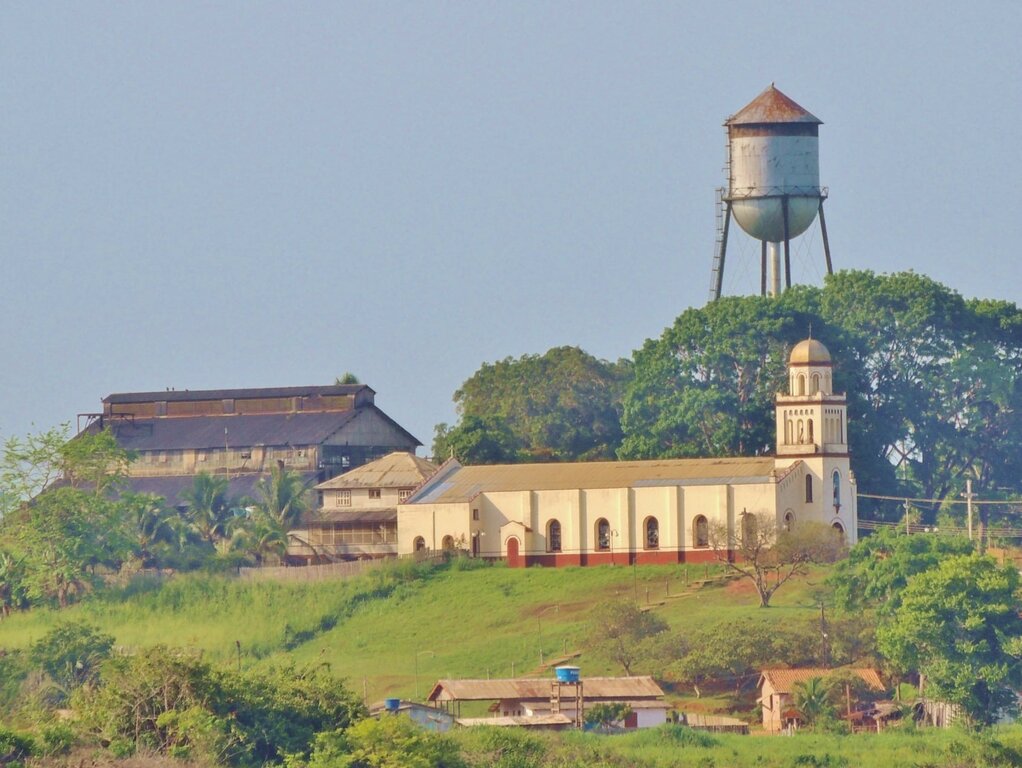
point(658, 511)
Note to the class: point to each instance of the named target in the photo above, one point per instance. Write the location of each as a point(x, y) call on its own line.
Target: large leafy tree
point(209, 510)
point(560, 406)
point(959, 625)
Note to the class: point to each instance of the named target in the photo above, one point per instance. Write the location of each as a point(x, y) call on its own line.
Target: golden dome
point(809, 352)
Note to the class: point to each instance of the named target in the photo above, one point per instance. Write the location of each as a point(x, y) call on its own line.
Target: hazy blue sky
point(237, 194)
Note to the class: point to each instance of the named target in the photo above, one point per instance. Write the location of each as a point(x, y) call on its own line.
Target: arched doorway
point(514, 559)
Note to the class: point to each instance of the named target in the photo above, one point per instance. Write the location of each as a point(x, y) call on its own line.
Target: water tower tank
point(774, 161)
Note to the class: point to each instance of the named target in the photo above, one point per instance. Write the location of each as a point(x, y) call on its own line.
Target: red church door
point(514, 560)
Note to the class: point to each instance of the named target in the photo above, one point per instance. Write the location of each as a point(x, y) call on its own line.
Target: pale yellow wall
point(389, 498)
point(432, 522)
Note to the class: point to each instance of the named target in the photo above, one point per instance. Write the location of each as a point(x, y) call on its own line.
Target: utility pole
point(907, 509)
point(968, 503)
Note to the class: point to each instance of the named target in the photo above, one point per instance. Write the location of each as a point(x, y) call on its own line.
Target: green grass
point(372, 630)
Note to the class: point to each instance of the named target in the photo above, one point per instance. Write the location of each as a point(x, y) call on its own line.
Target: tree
point(812, 700)
point(387, 742)
point(958, 624)
point(209, 511)
point(770, 557)
point(563, 405)
point(620, 629)
point(151, 527)
point(603, 716)
point(879, 567)
point(282, 496)
point(706, 386)
point(347, 378)
point(71, 654)
point(476, 440)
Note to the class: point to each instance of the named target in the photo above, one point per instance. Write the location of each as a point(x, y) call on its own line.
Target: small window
point(789, 520)
point(839, 528)
point(403, 494)
point(374, 493)
point(701, 532)
point(419, 544)
point(475, 514)
point(837, 489)
point(342, 499)
point(602, 534)
point(809, 488)
point(553, 536)
point(652, 533)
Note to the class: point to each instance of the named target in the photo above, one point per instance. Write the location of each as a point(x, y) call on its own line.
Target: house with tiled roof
point(778, 686)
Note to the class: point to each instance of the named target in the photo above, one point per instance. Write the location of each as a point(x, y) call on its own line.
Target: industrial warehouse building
point(658, 511)
point(316, 431)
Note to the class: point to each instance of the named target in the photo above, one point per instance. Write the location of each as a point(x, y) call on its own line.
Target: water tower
point(773, 191)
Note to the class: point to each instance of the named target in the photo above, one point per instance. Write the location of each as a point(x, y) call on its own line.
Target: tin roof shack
point(357, 515)
point(430, 718)
point(778, 685)
point(317, 431)
point(515, 700)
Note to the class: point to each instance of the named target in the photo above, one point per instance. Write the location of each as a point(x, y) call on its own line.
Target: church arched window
point(815, 386)
point(701, 532)
point(809, 489)
point(447, 543)
point(652, 531)
point(602, 534)
point(789, 520)
point(837, 489)
point(809, 431)
point(553, 536)
point(419, 544)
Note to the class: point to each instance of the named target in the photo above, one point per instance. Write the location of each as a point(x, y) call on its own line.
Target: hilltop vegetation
point(934, 383)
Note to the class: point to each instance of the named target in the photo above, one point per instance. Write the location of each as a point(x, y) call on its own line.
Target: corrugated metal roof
point(395, 470)
point(464, 483)
point(783, 680)
point(184, 395)
point(623, 688)
point(535, 721)
point(171, 487)
point(352, 516)
point(772, 106)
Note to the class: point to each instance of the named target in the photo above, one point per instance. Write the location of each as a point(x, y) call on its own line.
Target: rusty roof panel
point(783, 680)
point(624, 688)
point(772, 106)
point(399, 469)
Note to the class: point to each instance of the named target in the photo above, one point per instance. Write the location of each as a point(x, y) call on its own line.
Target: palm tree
point(282, 497)
point(151, 524)
point(812, 699)
point(209, 513)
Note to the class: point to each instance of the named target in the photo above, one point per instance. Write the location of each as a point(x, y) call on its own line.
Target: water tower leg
point(722, 253)
point(787, 244)
point(775, 269)
point(763, 268)
point(826, 242)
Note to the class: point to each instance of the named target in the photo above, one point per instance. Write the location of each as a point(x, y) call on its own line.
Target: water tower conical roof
point(772, 106)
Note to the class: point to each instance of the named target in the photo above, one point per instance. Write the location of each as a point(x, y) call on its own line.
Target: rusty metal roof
point(235, 394)
point(617, 688)
point(783, 680)
point(771, 106)
point(517, 721)
point(395, 470)
point(375, 515)
point(457, 483)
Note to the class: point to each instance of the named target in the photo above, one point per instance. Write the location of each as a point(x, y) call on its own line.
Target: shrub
point(14, 747)
point(71, 653)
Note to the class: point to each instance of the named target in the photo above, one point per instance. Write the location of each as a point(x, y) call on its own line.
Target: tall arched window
point(419, 544)
point(809, 488)
point(701, 532)
point(810, 431)
point(815, 386)
point(447, 543)
point(553, 536)
point(837, 489)
point(602, 534)
point(800, 384)
point(789, 520)
point(652, 530)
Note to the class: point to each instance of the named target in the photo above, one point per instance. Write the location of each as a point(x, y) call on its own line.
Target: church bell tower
point(812, 427)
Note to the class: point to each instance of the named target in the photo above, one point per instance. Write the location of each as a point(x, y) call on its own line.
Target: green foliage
point(959, 624)
point(560, 406)
point(878, 568)
point(15, 747)
point(504, 747)
point(71, 654)
point(620, 628)
point(387, 742)
point(605, 715)
point(813, 700)
point(209, 510)
point(176, 704)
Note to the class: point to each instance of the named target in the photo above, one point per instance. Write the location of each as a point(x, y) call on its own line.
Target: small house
point(777, 688)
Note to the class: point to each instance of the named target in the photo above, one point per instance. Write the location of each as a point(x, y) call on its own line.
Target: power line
point(947, 500)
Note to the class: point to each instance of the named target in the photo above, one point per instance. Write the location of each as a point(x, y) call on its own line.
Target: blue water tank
point(566, 674)
point(392, 705)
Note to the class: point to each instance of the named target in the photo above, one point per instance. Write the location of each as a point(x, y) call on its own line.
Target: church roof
point(809, 352)
point(456, 483)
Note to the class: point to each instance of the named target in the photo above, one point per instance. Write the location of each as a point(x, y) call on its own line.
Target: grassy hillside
point(454, 622)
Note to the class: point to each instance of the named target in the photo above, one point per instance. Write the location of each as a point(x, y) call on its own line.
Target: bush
point(15, 747)
point(71, 653)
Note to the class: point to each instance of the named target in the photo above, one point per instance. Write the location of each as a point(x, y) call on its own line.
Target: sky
point(243, 194)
